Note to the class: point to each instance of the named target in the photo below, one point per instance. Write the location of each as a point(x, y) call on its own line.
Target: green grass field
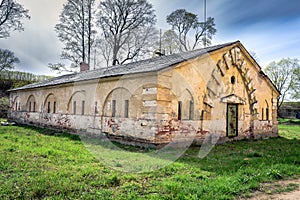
point(38, 164)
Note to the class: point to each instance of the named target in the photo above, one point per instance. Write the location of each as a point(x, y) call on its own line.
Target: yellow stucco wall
point(147, 105)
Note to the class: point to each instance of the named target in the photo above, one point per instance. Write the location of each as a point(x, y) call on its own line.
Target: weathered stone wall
point(239, 82)
point(59, 121)
point(183, 102)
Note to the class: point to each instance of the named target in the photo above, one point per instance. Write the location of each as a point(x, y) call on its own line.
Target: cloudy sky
point(270, 28)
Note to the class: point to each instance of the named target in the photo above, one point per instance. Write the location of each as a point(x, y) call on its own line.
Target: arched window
point(77, 103)
point(17, 104)
point(50, 105)
point(267, 113)
point(117, 103)
point(31, 104)
point(185, 106)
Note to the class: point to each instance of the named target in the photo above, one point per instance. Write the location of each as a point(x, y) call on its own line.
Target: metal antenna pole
point(205, 23)
point(160, 41)
point(95, 58)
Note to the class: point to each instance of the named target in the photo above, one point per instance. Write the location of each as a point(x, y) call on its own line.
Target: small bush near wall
point(4, 104)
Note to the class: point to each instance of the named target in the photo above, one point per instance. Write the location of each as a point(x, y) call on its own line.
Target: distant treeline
point(22, 76)
point(14, 79)
point(293, 104)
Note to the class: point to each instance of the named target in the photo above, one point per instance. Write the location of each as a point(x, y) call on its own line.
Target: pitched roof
point(143, 66)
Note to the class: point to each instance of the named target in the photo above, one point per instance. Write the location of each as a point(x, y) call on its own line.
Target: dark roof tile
point(148, 65)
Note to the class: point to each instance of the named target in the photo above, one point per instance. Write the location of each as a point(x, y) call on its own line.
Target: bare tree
point(140, 44)
point(75, 30)
point(285, 75)
point(170, 43)
point(119, 21)
point(185, 23)
point(7, 60)
point(11, 14)
point(105, 51)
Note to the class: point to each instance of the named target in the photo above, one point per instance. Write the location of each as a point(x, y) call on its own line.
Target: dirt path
point(281, 190)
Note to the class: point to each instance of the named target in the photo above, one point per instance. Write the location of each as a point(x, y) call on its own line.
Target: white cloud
point(271, 36)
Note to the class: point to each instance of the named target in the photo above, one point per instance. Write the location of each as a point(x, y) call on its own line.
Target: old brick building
point(219, 89)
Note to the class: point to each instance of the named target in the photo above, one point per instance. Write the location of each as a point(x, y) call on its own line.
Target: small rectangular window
point(262, 114)
point(202, 115)
point(82, 107)
point(113, 108)
point(19, 108)
point(96, 109)
point(16, 106)
point(48, 109)
point(34, 105)
point(30, 106)
point(74, 107)
point(191, 112)
point(126, 109)
point(54, 107)
point(179, 110)
point(267, 113)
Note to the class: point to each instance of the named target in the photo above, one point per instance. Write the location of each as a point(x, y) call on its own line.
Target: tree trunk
point(90, 30)
point(83, 30)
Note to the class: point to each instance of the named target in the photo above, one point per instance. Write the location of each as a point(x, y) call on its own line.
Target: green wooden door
point(232, 120)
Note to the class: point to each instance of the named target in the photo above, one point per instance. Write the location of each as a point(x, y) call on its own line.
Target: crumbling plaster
point(207, 84)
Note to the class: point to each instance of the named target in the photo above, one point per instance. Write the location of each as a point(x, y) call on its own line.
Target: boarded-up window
point(126, 109)
point(232, 120)
point(113, 108)
point(74, 107)
point(150, 90)
point(82, 107)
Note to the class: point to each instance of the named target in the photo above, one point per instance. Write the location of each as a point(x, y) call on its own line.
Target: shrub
point(4, 104)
